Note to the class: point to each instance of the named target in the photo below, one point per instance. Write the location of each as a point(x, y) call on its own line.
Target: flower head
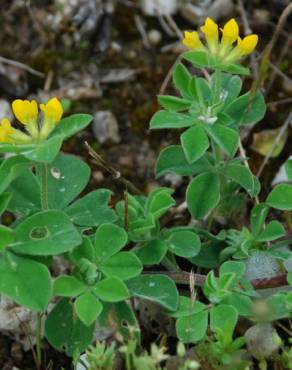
point(25, 111)
point(52, 110)
point(223, 51)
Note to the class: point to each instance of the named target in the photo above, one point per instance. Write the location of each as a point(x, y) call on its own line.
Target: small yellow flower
point(230, 32)
point(248, 44)
point(210, 29)
point(5, 131)
point(53, 110)
point(223, 52)
point(192, 41)
point(244, 47)
point(25, 111)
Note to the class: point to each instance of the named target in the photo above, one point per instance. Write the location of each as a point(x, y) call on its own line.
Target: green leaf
point(243, 176)
point(6, 237)
point(168, 119)
point(173, 103)
point(192, 329)
point(68, 286)
point(203, 91)
point(247, 110)
point(172, 159)
point(223, 319)
point(194, 142)
point(46, 233)
point(258, 217)
point(111, 289)
point(87, 308)
point(281, 197)
point(237, 268)
point(242, 303)
point(234, 68)
point(225, 137)
point(69, 126)
point(159, 201)
point(25, 191)
point(231, 84)
point(46, 151)
point(92, 209)
point(109, 239)
point(11, 168)
point(4, 201)
point(152, 252)
point(273, 230)
point(186, 307)
point(124, 318)
point(157, 288)
point(209, 255)
point(123, 265)
point(288, 169)
point(67, 177)
point(181, 79)
point(84, 250)
point(183, 243)
point(197, 58)
point(65, 331)
point(203, 194)
point(25, 281)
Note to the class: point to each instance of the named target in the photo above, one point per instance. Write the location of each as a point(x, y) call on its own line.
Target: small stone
point(262, 340)
point(105, 127)
point(154, 37)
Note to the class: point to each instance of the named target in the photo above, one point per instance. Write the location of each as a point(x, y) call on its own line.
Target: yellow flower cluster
point(223, 50)
point(27, 113)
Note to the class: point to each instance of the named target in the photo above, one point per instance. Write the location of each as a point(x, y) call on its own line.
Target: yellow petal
point(5, 131)
point(5, 124)
point(53, 110)
point(210, 28)
point(230, 31)
point(248, 44)
point(25, 111)
point(192, 41)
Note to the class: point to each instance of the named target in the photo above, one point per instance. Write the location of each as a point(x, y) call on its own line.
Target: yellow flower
point(25, 111)
point(5, 131)
point(191, 40)
point(210, 29)
point(225, 52)
point(53, 110)
point(230, 32)
point(248, 44)
point(244, 47)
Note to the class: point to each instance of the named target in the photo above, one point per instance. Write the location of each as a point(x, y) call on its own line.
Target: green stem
point(217, 87)
point(44, 186)
point(43, 177)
